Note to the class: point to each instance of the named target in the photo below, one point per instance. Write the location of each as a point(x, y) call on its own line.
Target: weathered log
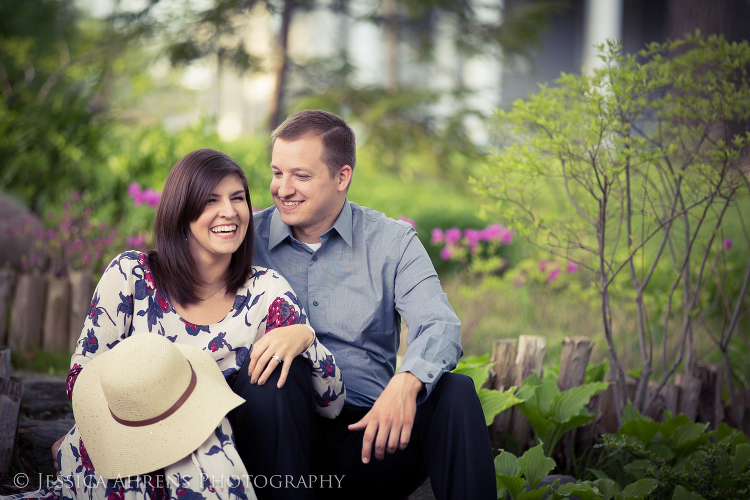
point(7, 280)
point(689, 396)
point(529, 359)
point(710, 407)
point(81, 291)
point(667, 399)
point(26, 313)
point(574, 358)
point(608, 422)
point(503, 361)
point(4, 363)
point(56, 315)
point(11, 391)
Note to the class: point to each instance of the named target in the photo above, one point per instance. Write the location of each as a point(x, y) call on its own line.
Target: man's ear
point(344, 178)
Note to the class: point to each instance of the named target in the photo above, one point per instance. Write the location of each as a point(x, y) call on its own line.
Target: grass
point(38, 361)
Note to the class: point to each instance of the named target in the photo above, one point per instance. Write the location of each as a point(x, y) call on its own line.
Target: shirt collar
point(280, 231)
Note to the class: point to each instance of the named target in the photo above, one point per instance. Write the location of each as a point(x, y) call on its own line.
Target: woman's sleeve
point(328, 382)
point(110, 314)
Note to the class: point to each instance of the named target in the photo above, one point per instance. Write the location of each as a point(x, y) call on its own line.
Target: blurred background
point(101, 97)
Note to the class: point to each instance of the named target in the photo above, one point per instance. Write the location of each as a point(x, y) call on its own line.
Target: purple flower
point(151, 197)
point(410, 221)
point(437, 236)
point(134, 190)
point(446, 253)
point(553, 274)
point(473, 237)
point(572, 267)
point(507, 237)
point(542, 265)
point(492, 232)
point(452, 235)
point(727, 243)
point(137, 241)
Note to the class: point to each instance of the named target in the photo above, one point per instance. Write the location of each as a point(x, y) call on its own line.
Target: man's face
point(307, 197)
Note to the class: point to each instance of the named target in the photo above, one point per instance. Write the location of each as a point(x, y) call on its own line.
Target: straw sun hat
point(148, 403)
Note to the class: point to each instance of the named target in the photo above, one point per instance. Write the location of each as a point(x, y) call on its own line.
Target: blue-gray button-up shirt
point(369, 272)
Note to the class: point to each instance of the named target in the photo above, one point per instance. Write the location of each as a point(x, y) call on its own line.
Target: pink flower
point(151, 197)
point(473, 237)
point(136, 241)
point(452, 235)
point(727, 243)
point(256, 209)
point(437, 236)
point(446, 253)
point(410, 221)
point(572, 267)
point(507, 237)
point(134, 190)
point(553, 274)
point(492, 232)
point(542, 265)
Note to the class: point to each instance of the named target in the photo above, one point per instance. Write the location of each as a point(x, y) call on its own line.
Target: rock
point(35, 440)
point(13, 216)
point(44, 397)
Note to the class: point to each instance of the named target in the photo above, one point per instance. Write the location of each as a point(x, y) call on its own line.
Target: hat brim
point(118, 450)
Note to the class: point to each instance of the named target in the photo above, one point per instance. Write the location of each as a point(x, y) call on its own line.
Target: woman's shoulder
point(127, 261)
point(264, 277)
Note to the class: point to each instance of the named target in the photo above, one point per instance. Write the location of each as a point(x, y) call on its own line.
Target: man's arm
point(434, 347)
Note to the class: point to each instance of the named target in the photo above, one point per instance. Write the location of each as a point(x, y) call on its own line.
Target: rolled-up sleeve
point(434, 336)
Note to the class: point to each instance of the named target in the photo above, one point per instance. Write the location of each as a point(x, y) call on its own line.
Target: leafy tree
point(631, 173)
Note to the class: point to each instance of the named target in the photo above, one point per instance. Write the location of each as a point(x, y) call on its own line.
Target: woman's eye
point(239, 198)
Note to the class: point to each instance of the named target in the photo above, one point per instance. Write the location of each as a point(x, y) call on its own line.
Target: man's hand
point(55, 449)
point(390, 420)
point(286, 342)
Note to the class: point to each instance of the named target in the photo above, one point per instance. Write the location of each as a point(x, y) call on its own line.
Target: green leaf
point(494, 402)
point(478, 374)
point(681, 493)
point(607, 487)
point(741, 458)
point(512, 484)
point(535, 465)
point(568, 404)
point(689, 435)
point(539, 423)
point(583, 491)
point(643, 430)
point(640, 488)
point(630, 413)
point(545, 395)
point(668, 426)
point(599, 474)
point(506, 464)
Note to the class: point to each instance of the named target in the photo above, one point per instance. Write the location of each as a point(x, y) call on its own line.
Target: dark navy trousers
point(292, 453)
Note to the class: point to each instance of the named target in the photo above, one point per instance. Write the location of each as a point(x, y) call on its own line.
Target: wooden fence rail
point(41, 312)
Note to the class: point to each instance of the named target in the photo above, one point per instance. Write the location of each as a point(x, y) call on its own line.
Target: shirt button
point(315, 302)
point(315, 257)
point(430, 375)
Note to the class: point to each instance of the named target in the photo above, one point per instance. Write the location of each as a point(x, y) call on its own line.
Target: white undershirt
point(313, 246)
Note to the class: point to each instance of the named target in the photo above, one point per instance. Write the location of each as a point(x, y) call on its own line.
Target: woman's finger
point(284, 372)
point(270, 366)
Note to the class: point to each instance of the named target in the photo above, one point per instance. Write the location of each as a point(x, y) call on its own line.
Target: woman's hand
point(55, 449)
point(286, 342)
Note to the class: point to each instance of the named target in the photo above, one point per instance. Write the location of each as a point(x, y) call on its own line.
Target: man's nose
point(285, 187)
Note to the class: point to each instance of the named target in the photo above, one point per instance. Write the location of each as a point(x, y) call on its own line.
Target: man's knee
point(299, 377)
point(455, 386)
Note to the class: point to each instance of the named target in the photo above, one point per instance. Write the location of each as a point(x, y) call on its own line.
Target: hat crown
point(147, 378)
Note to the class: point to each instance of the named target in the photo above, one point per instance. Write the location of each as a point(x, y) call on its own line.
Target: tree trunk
point(11, 391)
point(282, 66)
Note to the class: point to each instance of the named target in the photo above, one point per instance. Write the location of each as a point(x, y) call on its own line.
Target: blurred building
point(241, 103)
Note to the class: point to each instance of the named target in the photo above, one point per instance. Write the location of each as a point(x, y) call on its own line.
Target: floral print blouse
point(126, 302)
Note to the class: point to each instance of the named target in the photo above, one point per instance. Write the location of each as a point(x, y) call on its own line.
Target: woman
point(200, 289)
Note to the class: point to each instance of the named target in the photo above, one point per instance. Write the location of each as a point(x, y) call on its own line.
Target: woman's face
point(221, 228)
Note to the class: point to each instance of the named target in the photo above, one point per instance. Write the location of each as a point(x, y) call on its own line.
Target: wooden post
point(81, 292)
point(529, 359)
point(56, 315)
point(11, 391)
point(503, 362)
point(574, 358)
point(7, 278)
point(26, 313)
point(689, 395)
point(608, 421)
point(667, 399)
point(710, 407)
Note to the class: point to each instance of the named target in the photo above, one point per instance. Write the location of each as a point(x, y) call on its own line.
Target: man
point(356, 274)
